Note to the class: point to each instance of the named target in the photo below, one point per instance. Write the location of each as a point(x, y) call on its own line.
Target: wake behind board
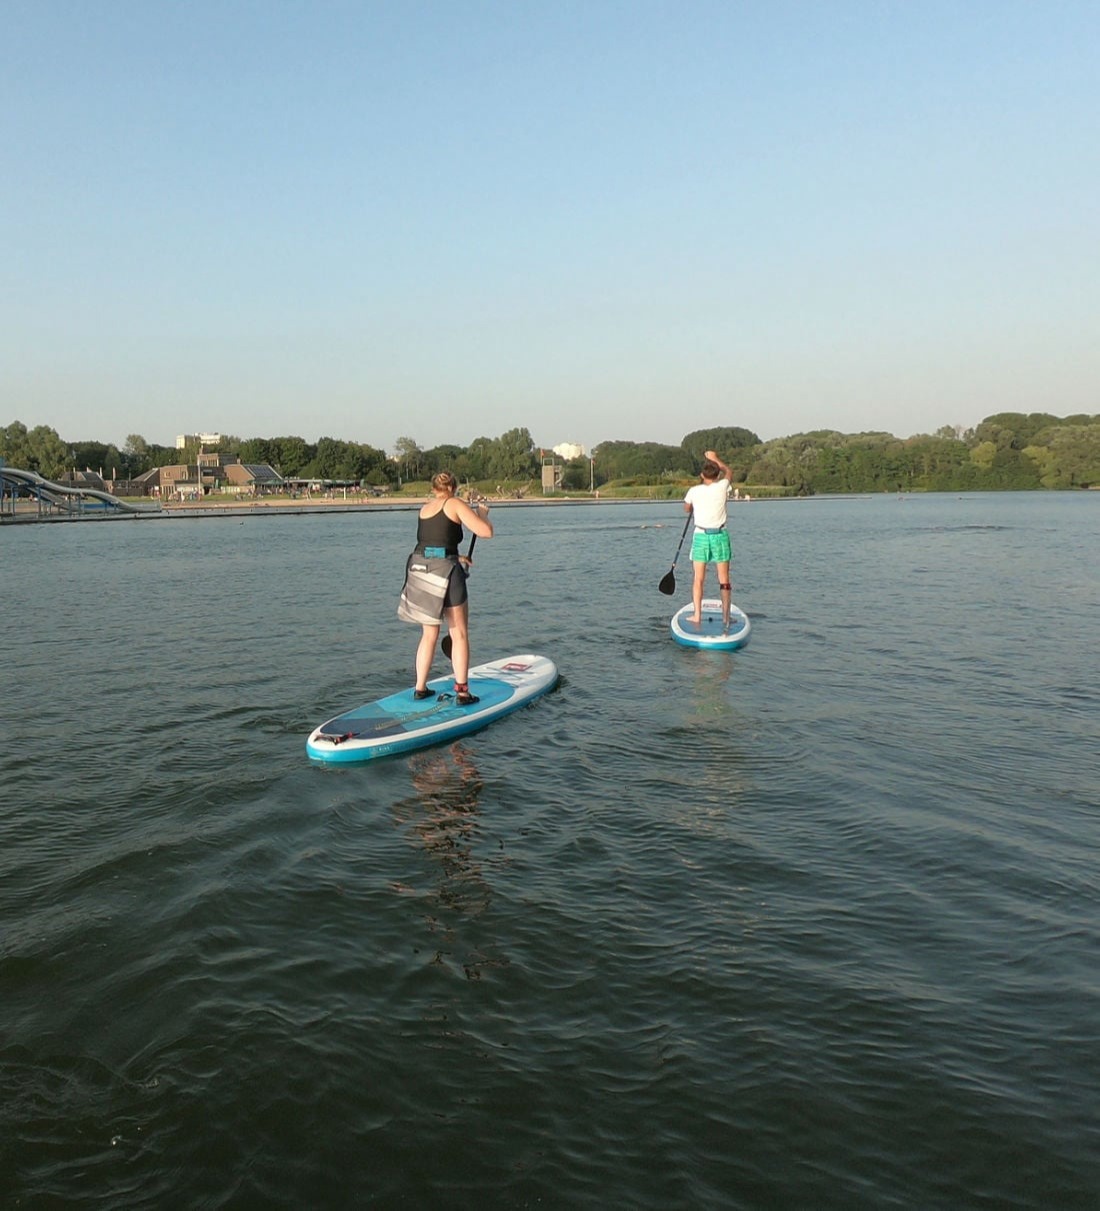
point(710, 633)
point(401, 723)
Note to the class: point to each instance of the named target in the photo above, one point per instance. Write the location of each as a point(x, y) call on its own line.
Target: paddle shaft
point(668, 581)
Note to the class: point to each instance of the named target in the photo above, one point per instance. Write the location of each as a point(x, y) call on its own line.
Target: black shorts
point(456, 588)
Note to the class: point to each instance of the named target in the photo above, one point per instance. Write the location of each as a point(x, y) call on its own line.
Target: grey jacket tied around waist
point(426, 581)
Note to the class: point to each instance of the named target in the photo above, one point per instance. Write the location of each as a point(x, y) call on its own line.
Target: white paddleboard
point(400, 723)
point(710, 633)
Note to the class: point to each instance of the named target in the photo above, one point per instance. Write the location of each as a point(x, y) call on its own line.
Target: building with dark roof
point(257, 478)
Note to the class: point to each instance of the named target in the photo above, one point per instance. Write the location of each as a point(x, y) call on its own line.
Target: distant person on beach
point(435, 582)
point(711, 541)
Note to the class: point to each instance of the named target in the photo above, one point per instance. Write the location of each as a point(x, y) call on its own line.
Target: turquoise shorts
point(710, 548)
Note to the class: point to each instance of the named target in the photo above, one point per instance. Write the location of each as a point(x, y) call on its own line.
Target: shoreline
point(317, 508)
point(273, 508)
point(381, 504)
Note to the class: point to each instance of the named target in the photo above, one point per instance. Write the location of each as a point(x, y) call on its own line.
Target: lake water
point(813, 924)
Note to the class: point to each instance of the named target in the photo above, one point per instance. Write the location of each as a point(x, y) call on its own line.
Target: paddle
point(446, 644)
point(668, 580)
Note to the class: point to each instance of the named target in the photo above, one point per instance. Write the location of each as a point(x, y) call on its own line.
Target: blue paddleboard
point(710, 633)
point(401, 723)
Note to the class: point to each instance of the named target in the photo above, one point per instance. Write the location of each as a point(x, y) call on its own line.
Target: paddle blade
point(668, 583)
point(446, 646)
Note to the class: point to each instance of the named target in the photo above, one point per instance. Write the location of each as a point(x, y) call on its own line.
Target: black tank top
point(439, 531)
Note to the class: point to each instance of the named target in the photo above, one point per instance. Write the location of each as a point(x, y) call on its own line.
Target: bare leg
point(457, 628)
point(724, 579)
point(697, 590)
point(425, 653)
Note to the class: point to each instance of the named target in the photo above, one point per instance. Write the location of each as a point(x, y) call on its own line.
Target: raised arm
point(475, 518)
point(713, 456)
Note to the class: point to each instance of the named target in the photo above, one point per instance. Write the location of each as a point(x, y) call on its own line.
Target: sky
point(597, 220)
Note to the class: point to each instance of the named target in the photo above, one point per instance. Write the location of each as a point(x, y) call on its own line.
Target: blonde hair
point(444, 481)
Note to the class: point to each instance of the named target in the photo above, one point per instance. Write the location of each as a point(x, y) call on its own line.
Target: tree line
point(1006, 451)
point(1009, 450)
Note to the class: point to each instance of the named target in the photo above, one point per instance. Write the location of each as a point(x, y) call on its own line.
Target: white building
point(197, 439)
point(568, 450)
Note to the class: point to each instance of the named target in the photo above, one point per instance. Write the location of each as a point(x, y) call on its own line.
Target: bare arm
point(475, 519)
point(712, 455)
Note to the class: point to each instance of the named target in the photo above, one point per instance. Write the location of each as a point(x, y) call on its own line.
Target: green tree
point(374, 465)
point(938, 463)
point(983, 454)
point(38, 449)
point(732, 444)
point(135, 452)
point(641, 460)
point(1046, 466)
point(578, 474)
point(409, 457)
point(348, 460)
point(292, 456)
point(13, 445)
point(49, 451)
point(479, 459)
point(443, 458)
point(95, 456)
point(512, 456)
point(1013, 430)
point(256, 451)
point(162, 456)
point(1067, 456)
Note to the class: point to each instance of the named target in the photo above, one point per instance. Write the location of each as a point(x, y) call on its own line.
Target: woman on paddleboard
point(435, 582)
point(711, 541)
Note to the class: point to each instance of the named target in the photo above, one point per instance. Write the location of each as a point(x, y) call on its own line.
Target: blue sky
point(597, 220)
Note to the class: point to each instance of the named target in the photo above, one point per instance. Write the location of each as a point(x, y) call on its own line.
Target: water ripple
point(813, 925)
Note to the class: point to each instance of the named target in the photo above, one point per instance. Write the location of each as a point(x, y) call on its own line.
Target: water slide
point(62, 497)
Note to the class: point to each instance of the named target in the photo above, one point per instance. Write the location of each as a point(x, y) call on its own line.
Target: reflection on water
point(442, 818)
point(711, 697)
point(716, 727)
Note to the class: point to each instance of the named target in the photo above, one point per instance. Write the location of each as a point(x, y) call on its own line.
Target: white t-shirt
point(708, 502)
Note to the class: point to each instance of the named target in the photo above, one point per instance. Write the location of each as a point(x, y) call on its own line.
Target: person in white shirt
point(711, 541)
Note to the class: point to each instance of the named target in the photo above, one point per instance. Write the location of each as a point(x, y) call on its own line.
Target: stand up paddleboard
point(401, 723)
point(710, 633)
